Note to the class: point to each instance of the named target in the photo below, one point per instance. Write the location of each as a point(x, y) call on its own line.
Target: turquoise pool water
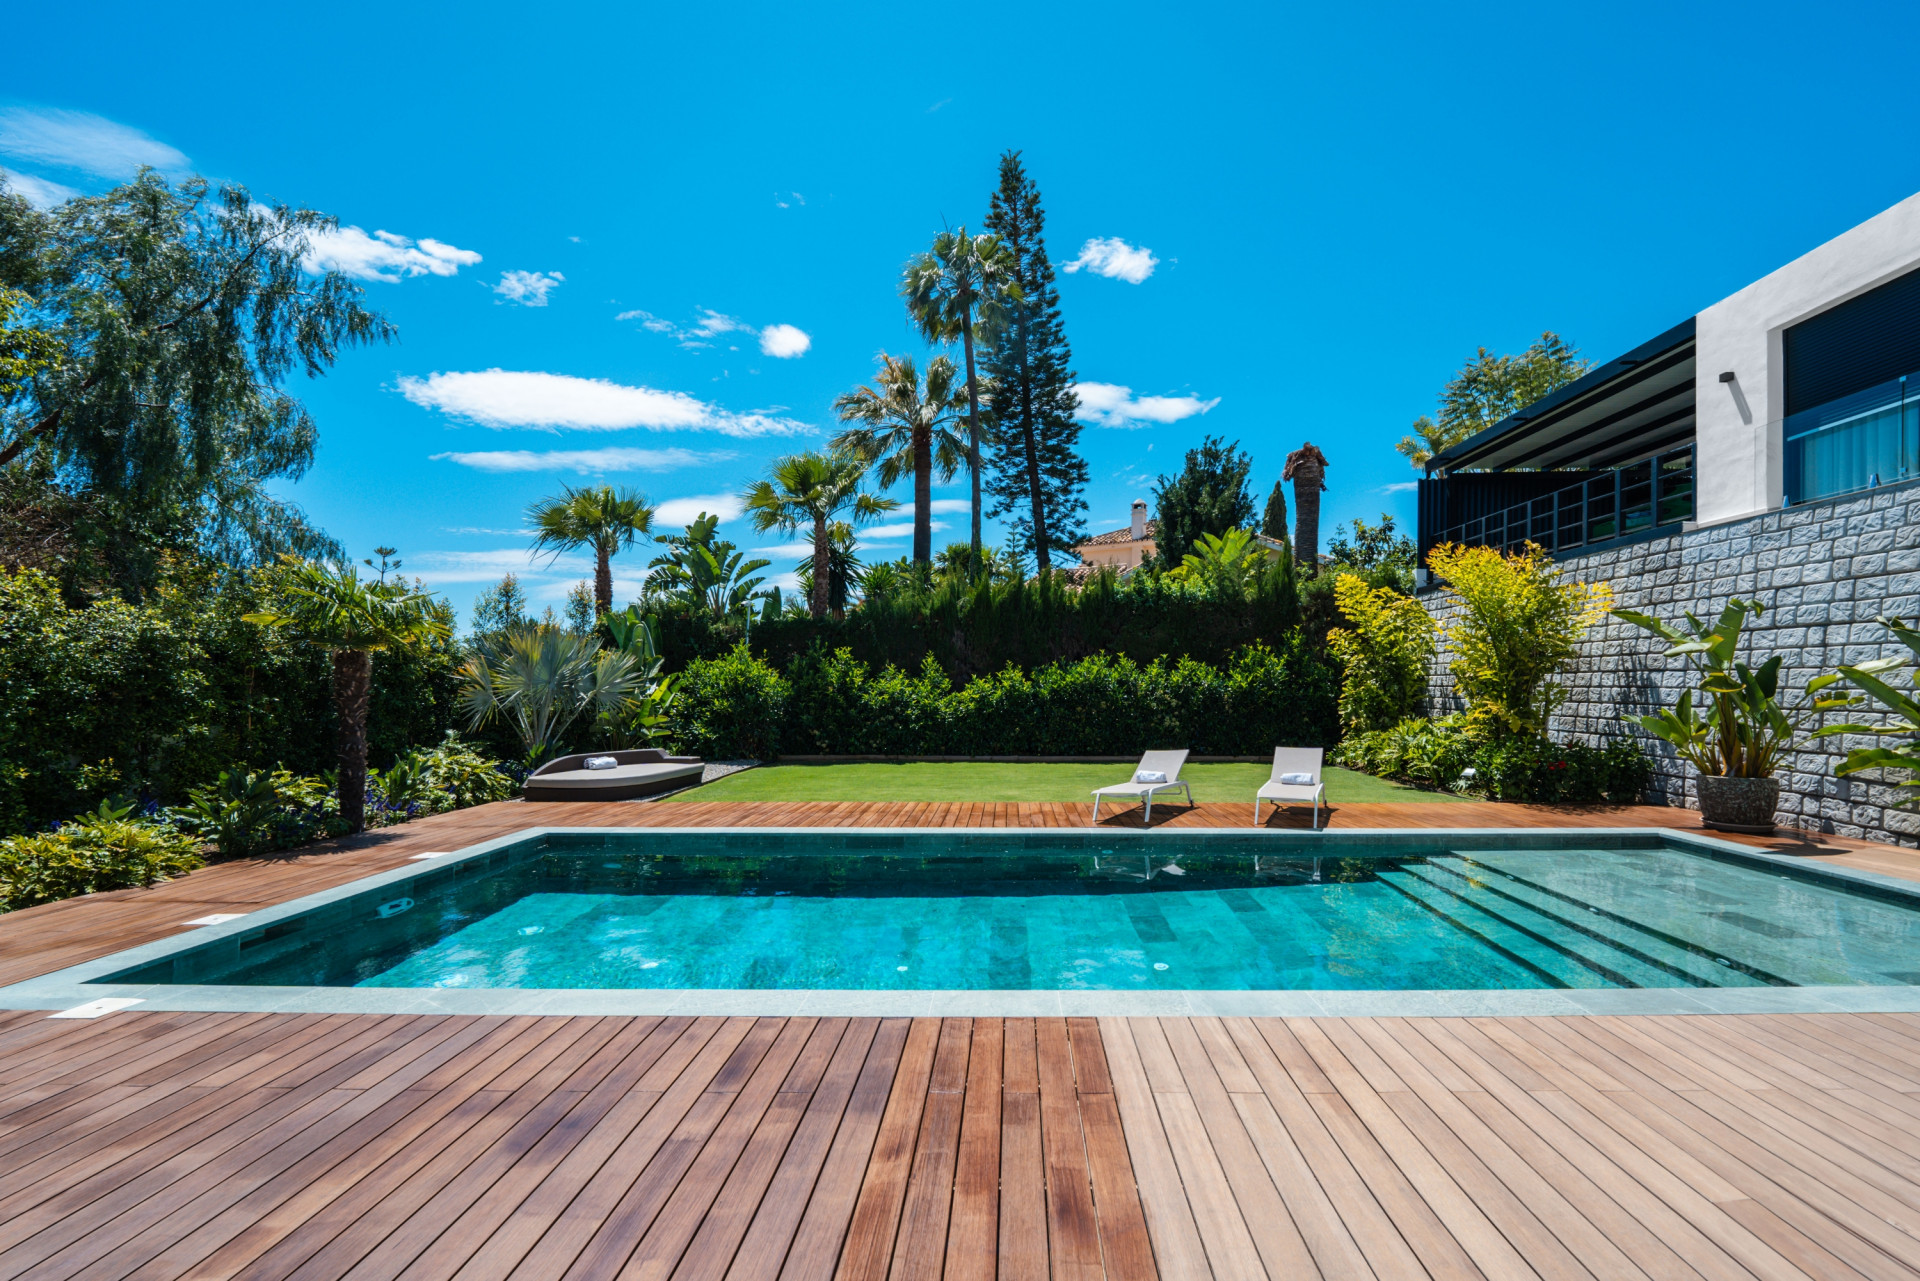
point(843, 912)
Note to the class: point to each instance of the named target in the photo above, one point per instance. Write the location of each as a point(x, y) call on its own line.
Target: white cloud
point(1400, 487)
point(676, 512)
point(1115, 259)
point(480, 529)
point(901, 529)
point(1110, 405)
point(528, 288)
point(490, 566)
point(616, 458)
point(39, 193)
point(510, 398)
point(383, 255)
point(784, 342)
point(950, 506)
point(78, 140)
point(785, 551)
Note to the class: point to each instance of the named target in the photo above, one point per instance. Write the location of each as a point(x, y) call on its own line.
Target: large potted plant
point(1737, 732)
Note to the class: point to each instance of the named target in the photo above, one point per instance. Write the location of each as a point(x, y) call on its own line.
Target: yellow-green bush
point(93, 853)
point(1385, 654)
point(1520, 625)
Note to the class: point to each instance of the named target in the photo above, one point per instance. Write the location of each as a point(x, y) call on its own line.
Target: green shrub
point(1537, 770)
point(109, 698)
point(101, 851)
point(976, 632)
point(1102, 705)
point(729, 708)
point(462, 775)
point(245, 812)
point(1514, 767)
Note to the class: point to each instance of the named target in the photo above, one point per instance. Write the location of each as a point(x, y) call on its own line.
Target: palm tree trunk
point(352, 688)
point(822, 565)
point(973, 433)
point(923, 495)
point(1306, 518)
point(603, 578)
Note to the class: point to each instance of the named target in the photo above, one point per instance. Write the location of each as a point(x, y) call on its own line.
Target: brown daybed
point(642, 771)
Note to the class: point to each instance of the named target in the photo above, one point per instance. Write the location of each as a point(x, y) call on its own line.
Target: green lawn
point(981, 781)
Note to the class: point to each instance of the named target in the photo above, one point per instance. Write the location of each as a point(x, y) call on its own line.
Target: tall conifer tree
point(1036, 475)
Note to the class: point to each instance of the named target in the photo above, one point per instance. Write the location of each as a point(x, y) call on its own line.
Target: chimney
point(1139, 519)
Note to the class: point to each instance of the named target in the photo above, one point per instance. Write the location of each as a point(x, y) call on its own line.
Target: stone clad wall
point(1824, 571)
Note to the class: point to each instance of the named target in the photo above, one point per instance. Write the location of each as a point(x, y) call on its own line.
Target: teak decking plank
point(868, 1252)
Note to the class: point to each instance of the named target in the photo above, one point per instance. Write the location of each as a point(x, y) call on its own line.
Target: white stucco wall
point(1738, 424)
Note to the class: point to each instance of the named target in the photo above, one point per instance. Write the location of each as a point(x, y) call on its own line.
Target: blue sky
point(681, 227)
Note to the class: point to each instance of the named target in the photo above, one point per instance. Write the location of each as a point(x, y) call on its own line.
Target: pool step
point(1539, 950)
point(1615, 953)
point(1688, 965)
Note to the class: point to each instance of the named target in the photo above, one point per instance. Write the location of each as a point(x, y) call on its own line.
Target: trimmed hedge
point(831, 702)
point(980, 631)
point(1507, 768)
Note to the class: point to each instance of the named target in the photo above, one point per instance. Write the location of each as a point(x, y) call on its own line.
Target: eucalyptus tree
point(596, 516)
point(328, 605)
point(907, 430)
point(960, 289)
point(177, 314)
point(810, 492)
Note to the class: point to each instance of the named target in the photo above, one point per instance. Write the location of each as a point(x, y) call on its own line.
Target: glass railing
point(1856, 442)
point(1618, 504)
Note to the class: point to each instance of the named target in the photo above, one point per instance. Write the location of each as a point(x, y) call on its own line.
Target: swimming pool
point(1062, 912)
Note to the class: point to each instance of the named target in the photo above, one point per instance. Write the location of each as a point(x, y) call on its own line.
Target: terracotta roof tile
point(1119, 535)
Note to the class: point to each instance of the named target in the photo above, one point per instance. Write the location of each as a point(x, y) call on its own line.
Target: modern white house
point(1767, 447)
point(1793, 390)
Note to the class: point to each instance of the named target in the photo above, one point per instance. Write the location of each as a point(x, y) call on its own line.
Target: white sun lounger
point(1293, 760)
point(1167, 763)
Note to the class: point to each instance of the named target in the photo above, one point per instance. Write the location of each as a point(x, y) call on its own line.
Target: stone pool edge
point(76, 985)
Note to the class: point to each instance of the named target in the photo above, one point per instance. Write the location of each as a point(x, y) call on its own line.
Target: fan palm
point(811, 491)
point(541, 678)
point(596, 516)
point(962, 285)
point(328, 606)
point(907, 430)
point(843, 569)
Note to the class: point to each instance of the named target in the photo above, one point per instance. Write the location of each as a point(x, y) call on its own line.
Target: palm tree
point(595, 516)
point(843, 569)
point(907, 431)
point(1307, 469)
point(328, 605)
point(962, 284)
point(810, 491)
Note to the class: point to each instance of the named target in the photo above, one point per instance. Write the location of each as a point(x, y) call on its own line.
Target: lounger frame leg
point(1096, 807)
point(1256, 812)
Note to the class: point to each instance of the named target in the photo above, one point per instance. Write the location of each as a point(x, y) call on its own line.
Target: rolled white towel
point(1296, 780)
point(1150, 776)
point(603, 762)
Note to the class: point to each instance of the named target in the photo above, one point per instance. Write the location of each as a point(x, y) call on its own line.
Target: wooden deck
point(156, 1144)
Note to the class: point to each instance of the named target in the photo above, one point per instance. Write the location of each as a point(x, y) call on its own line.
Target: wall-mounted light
point(1727, 377)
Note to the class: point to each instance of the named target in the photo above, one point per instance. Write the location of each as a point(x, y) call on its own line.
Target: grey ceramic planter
point(1743, 805)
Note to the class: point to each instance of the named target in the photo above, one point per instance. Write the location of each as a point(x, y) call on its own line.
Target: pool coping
point(76, 985)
